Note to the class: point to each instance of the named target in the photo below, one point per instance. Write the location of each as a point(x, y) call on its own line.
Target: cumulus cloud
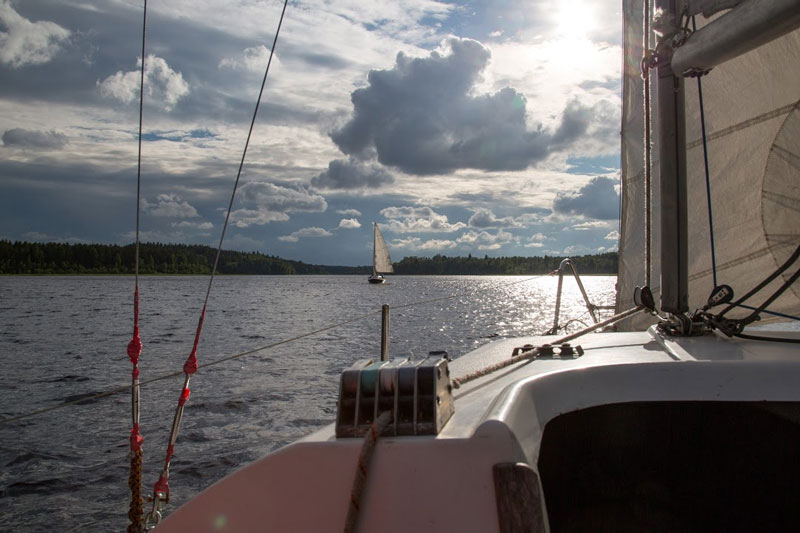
point(169, 205)
point(305, 232)
point(253, 59)
point(38, 140)
point(590, 225)
point(162, 84)
point(613, 236)
point(352, 174)
point(193, 225)
point(349, 223)
point(243, 218)
point(597, 199)
point(349, 212)
point(266, 202)
point(415, 243)
point(278, 198)
point(485, 218)
point(23, 42)
point(484, 240)
point(423, 116)
point(418, 220)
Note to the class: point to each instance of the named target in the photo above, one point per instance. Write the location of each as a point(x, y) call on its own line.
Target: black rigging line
point(708, 178)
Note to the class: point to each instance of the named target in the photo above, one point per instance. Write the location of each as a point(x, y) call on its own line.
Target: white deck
point(445, 483)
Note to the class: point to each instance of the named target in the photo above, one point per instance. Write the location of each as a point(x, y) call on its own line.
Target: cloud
point(349, 212)
point(193, 225)
point(35, 236)
point(278, 198)
point(597, 199)
point(424, 116)
point(352, 174)
point(43, 140)
point(253, 59)
point(485, 240)
point(169, 205)
point(485, 218)
point(417, 220)
point(28, 43)
point(415, 243)
point(305, 232)
point(266, 202)
point(349, 223)
point(613, 236)
point(163, 85)
point(243, 218)
point(590, 225)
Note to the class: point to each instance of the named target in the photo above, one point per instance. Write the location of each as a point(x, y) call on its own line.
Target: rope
point(137, 502)
point(134, 349)
point(364, 459)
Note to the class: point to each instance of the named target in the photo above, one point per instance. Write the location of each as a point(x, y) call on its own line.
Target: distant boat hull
point(376, 279)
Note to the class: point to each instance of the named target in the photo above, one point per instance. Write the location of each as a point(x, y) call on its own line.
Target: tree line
point(605, 263)
point(21, 257)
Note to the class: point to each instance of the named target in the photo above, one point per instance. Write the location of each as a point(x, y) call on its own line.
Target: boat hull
point(502, 419)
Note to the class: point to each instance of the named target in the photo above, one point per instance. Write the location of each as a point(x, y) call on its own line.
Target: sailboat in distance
point(381, 262)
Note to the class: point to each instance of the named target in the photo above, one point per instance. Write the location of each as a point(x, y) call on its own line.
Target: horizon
point(459, 127)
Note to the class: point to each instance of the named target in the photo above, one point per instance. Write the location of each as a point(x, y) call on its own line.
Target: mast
point(672, 170)
point(374, 248)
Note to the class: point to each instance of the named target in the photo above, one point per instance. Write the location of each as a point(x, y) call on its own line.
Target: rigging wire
point(648, 257)
point(706, 166)
point(134, 348)
point(161, 488)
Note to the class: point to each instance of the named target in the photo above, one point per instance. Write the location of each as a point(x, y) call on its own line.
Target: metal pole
point(749, 25)
point(672, 154)
point(384, 332)
point(589, 305)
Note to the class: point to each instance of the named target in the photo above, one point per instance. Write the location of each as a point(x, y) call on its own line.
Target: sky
point(460, 127)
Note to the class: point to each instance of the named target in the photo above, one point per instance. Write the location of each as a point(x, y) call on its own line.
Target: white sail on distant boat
point(381, 262)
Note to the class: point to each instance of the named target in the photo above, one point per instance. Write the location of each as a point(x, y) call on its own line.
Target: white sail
point(752, 118)
point(381, 262)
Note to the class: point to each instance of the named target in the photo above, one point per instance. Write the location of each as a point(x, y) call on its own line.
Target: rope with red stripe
point(161, 488)
point(135, 512)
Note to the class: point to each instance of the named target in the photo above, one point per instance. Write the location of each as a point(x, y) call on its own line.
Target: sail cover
point(381, 259)
point(752, 117)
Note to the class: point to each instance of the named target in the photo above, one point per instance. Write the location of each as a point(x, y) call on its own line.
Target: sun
point(574, 20)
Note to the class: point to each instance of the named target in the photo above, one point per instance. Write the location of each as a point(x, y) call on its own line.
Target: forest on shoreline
point(48, 258)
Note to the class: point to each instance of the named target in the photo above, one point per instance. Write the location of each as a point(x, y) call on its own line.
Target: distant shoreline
point(61, 259)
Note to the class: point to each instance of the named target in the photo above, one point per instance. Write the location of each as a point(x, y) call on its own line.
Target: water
point(63, 339)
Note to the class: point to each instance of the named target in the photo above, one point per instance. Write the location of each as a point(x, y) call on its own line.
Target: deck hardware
point(548, 351)
point(417, 393)
point(643, 297)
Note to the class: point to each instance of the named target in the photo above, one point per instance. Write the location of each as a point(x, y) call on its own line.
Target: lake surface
point(64, 338)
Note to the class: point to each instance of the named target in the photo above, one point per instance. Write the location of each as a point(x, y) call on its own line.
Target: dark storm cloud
point(43, 140)
point(597, 199)
point(352, 174)
point(421, 117)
